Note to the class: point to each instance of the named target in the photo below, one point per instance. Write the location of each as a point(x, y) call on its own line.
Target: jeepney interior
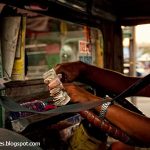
point(58, 31)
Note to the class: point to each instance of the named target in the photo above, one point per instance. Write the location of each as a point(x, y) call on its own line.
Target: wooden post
point(132, 49)
point(132, 59)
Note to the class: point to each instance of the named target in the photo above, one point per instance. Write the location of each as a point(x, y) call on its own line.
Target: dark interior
point(126, 12)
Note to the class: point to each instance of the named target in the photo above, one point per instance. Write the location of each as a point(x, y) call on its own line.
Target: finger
point(57, 68)
point(64, 78)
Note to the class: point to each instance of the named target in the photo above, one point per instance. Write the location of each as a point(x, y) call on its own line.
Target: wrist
point(98, 108)
point(103, 110)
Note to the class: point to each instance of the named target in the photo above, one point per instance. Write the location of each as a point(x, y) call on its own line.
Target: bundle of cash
point(57, 91)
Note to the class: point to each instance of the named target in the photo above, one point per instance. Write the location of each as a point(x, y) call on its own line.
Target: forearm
point(133, 124)
point(110, 80)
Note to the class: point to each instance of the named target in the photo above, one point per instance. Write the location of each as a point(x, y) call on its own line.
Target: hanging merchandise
point(85, 47)
point(10, 31)
point(18, 71)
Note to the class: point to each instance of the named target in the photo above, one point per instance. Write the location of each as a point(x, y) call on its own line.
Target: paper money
point(55, 83)
point(56, 89)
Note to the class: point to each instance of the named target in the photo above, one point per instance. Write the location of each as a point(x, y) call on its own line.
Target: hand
point(70, 71)
point(78, 94)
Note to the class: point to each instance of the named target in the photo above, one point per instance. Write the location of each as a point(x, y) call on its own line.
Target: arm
point(107, 79)
point(111, 80)
point(133, 124)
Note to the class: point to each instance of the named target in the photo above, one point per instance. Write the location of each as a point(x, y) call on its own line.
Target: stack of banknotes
point(57, 91)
